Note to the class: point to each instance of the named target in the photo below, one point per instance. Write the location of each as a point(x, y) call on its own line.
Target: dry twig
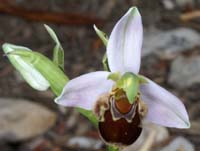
point(54, 17)
point(190, 15)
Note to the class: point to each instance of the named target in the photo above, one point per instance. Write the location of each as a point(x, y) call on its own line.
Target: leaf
point(129, 82)
point(58, 52)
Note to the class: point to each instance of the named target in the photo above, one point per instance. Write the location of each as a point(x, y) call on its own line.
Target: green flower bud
point(31, 75)
point(44, 66)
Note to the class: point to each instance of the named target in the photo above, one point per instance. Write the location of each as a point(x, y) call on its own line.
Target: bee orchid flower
point(120, 111)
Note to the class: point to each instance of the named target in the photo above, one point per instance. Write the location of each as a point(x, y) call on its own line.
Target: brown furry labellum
point(119, 121)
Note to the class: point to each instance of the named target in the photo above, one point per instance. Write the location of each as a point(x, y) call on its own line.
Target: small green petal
point(129, 82)
point(142, 79)
point(58, 52)
point(114, 76)
point(101, 35)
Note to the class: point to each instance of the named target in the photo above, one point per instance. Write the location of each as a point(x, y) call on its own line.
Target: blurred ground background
point(31, 121)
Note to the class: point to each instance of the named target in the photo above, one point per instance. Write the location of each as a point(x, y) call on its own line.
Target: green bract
point(31, 75)
point(58, 52)
point(52, 73)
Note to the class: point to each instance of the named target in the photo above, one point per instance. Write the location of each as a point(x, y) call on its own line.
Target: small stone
point(185, 71)
point(179, 143)
point(85, 142)
point(168, 4)
point(169, 43)
point(184, 3)
point(23, 119)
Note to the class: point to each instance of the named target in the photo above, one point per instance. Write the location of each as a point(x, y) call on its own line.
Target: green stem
point(113, 148)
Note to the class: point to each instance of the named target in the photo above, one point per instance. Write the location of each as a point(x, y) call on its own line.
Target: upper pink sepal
point(125, 42)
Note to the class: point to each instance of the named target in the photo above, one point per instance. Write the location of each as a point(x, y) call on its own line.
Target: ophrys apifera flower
point(122, 98)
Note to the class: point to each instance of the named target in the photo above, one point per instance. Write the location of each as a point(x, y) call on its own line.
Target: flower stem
point(113, 148)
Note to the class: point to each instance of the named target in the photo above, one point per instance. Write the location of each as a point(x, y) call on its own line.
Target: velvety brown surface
point(120, 131)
